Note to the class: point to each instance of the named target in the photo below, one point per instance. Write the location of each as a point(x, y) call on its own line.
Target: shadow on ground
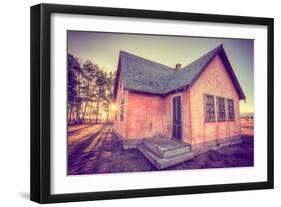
point(110, 157)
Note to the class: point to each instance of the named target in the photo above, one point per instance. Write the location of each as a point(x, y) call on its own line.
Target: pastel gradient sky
point(103, 49)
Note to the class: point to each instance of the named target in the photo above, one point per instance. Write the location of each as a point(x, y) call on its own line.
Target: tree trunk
point(98, 107)
point(73, 118)
point(70, 113)
point(107, 115)
point(77, 116)
point(90, 112)
point(78, 105)
point(85, 108)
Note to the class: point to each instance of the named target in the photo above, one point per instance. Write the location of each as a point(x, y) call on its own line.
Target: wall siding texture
point(149, 115)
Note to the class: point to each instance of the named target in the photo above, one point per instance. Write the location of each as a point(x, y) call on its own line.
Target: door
point(177, 125)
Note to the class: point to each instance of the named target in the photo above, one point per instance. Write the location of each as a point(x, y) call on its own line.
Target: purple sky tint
point(103, 49)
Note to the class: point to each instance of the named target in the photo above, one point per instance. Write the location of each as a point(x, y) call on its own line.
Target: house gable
point(214, 81)
point(187, 76)
point(142, 75)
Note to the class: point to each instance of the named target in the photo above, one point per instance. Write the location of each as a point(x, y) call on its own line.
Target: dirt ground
point(101, 152)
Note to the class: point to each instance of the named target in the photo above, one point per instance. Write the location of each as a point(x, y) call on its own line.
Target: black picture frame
point(41, 102)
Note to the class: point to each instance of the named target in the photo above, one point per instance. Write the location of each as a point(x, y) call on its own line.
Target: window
point(230, 109)
point(122, 110)
point(221, 109)
point(209, 108)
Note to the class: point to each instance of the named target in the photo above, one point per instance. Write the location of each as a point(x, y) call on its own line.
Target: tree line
point(89, 90)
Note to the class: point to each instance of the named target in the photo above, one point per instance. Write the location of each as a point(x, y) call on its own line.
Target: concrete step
point(166, 148)
point(161, 163)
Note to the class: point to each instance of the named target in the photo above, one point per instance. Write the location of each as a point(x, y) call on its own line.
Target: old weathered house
point(197, 105)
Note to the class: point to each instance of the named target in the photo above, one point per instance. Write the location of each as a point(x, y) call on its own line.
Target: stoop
point(164, 152)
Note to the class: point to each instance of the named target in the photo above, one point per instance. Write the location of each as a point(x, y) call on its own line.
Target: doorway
point(177, 118)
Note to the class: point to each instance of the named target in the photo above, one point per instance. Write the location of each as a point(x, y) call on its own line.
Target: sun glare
point(113, 107)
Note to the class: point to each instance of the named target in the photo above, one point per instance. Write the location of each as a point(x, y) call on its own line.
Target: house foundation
point(167, 152)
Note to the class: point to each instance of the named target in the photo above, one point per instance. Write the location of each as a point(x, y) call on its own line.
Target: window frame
point(228, 111)
point(219, 119)
point(205, 108)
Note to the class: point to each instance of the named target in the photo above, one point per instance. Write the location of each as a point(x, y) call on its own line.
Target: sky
point(103, 49)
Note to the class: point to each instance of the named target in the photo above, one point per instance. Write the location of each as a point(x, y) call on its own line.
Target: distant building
point(196, 104)
point(247, 116)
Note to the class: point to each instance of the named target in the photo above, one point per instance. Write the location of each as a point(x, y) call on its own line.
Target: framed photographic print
point(132, 103)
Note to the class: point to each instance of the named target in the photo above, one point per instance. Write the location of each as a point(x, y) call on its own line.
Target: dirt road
point(94, 149)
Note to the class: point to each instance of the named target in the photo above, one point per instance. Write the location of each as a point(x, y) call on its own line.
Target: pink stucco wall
point(145, 116)
point(120, 126)
point(214, 81)
point(151, 115)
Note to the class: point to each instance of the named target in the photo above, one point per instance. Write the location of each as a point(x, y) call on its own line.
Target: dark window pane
point(209, 108)
point(230, 108)
point(221, 108)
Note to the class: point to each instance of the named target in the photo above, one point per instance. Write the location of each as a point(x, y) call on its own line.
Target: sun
point(113, 107)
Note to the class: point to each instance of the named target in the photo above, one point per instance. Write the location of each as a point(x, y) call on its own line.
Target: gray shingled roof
point(143, 75)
